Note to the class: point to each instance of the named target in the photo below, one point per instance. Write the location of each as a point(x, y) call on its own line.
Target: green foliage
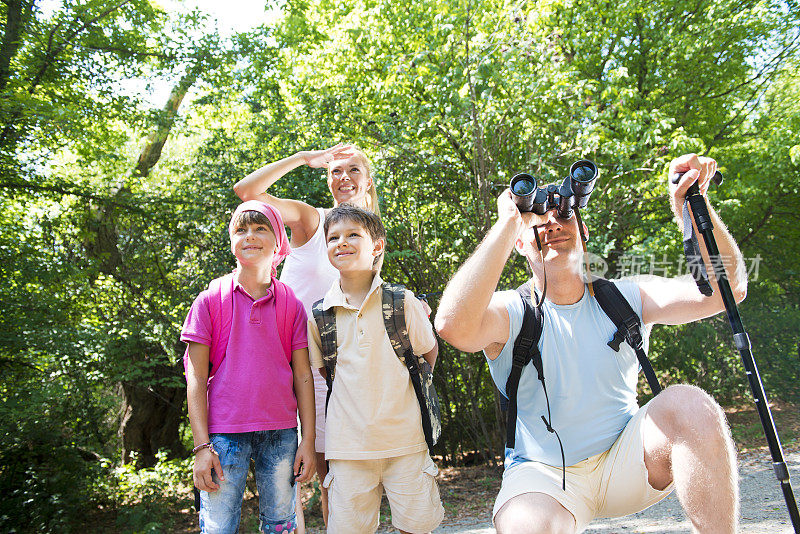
point(92, 265)
point(101, 257)
point(48, 431)
point(143, 497)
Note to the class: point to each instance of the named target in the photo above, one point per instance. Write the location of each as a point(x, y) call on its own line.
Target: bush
point(143, 497)
point(46, 471)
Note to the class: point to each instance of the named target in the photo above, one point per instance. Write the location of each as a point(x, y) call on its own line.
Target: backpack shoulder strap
point(221, 308)
point(285, 314)
point(526, 349)
point(629, 326)
point(419, 371)
point(326, 325)
point(394, 319)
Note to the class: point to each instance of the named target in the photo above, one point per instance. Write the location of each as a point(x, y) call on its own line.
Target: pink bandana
point(275, 220)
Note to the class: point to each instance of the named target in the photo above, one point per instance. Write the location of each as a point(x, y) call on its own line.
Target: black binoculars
point(573, 192)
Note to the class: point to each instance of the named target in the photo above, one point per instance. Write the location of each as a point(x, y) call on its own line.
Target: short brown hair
point(371, 222)
point(246, 218)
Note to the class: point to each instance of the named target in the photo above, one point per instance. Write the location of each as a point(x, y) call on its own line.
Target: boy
point(244, 391)
point(374, 435)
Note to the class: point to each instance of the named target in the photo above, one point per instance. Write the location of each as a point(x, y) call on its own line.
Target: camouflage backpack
point(419, 370)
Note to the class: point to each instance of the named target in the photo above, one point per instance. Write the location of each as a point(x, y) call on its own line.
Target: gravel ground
point(762, 504)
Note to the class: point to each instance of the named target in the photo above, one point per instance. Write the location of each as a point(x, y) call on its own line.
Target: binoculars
point(573, 192)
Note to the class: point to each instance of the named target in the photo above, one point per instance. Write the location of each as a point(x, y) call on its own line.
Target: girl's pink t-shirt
point(253, 388)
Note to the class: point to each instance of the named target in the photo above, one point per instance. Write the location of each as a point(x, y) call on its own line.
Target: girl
point(307, 271)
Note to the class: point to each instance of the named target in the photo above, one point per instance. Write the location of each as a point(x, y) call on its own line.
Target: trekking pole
point(702, 219)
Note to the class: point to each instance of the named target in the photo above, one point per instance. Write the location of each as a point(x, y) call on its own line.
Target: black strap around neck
point(526, 350)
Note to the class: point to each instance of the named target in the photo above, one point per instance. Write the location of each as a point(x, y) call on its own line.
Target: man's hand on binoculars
point(506, 209)
point(694, 168)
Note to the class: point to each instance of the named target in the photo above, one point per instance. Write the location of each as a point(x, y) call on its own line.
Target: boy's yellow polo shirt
point(373, 411)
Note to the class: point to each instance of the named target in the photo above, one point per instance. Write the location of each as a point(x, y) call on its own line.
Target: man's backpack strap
point(326, 324)
point(419, 370)
point(526, 349)
point(629, 326)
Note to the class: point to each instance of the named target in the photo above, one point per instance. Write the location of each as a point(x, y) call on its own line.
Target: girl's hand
point(305, 461)
point(204, 462)
point(317, 159)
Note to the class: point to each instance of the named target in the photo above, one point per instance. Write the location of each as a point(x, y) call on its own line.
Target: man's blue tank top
point(592, 389)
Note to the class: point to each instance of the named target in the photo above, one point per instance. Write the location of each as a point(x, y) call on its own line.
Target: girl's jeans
point(273, 452)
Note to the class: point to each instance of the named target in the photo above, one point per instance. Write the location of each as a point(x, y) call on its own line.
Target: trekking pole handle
point(717, 178)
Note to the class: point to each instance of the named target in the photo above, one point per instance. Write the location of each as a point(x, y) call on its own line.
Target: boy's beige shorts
point(355, 488)
point(610, 484)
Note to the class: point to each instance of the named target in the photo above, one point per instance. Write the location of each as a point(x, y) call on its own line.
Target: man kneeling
point(617, 458)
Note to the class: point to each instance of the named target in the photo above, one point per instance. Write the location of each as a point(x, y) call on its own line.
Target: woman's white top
point(310, 275)
point(307, 269)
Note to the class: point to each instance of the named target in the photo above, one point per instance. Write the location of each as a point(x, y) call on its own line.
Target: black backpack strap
point(326, 324)
point(526, 349)
point(629, 326)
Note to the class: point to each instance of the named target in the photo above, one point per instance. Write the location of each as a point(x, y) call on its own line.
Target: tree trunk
point(17, 13)
point(152, 415)
point(151, 419)
point(151, 153)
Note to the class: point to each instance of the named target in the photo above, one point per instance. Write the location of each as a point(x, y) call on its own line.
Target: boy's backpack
point(221, 309)
point(419, 370)
point(526, 346)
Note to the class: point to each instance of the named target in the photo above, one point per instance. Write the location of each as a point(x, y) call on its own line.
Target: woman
point(307, 269)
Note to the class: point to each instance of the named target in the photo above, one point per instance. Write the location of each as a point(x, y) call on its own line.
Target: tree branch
point(73, 190)
point(151, 153)
point(17, 15)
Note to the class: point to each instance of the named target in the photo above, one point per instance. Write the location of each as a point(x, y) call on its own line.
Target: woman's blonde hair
point(371, 199)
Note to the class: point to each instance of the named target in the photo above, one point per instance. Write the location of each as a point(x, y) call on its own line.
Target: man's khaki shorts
point(610, 484)
point(355, 488)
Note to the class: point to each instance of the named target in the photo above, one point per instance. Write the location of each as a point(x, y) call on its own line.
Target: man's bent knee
point(534, 513)
point(686, 413)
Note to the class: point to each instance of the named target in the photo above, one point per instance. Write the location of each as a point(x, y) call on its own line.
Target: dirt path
point(763, 507)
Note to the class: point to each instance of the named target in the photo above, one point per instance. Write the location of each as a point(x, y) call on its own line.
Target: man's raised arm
point(468, 318)
point(677, 300)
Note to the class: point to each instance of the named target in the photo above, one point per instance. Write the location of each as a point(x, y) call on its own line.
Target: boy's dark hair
point(371, 222)
point(246, 218)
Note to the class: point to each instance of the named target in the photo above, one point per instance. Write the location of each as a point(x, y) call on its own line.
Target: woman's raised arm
point(301, 218)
